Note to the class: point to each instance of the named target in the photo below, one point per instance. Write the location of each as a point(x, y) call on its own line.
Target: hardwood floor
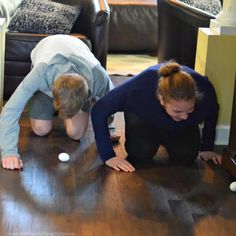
point(85, 198)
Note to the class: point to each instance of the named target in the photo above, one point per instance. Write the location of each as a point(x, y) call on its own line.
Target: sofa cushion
point(44, 17)
point(211, 6)
point(133, 26)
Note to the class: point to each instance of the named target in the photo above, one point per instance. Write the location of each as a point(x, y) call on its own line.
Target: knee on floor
point(75, 134)
point(41, 130)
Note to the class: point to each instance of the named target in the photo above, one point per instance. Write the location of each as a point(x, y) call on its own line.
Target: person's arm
point(102, 82)
point(211, 116)
point(103, 108)
point(9, 120)
point(120, 98)
point(112, 102)
point(209, 128)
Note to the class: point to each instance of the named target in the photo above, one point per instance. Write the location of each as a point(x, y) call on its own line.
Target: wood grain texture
point(85, 198)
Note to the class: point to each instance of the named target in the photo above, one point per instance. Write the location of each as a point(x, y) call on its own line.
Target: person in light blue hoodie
point(65, 77)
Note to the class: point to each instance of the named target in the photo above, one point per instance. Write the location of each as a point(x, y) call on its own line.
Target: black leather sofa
point(178, 26)
point(91, 26)
point(133, 26)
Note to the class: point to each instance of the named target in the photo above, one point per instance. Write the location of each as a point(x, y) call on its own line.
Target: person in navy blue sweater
point(163, 105)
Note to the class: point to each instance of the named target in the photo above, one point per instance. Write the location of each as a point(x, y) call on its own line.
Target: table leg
point(229, 154)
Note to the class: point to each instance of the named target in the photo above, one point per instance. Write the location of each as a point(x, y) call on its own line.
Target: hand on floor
point(12, 163)
point(215, 157)
point(118, 163)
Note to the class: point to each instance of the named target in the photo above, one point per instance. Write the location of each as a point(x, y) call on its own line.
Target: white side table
point(216, 58)
point(2, 57)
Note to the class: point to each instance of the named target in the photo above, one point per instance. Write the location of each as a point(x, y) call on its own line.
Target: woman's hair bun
point(169, 69)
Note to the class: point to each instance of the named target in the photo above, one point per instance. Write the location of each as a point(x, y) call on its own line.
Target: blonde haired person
point(65, 77)
point(163, 105)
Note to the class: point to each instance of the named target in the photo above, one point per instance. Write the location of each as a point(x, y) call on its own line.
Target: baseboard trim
point(222, 135)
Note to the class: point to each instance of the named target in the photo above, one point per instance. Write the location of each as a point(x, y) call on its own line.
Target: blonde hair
point(176, 84)
point(69, 93)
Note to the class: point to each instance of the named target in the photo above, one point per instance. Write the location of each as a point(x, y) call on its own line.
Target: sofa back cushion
point(44, 17)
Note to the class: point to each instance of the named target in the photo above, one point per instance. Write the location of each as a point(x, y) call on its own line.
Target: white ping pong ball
point(64, 157)
point(232, 186)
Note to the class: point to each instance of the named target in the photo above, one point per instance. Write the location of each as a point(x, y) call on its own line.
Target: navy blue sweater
point(138, 95)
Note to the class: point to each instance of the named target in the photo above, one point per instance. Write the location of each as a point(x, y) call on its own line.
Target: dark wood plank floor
point(82, 197)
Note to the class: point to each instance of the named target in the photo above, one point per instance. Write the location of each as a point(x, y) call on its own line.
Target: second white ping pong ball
point(63, 157)
point(232, 186)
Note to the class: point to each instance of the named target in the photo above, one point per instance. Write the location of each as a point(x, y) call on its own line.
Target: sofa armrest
point(25, 43)
point(93, 22)
point(178, 25)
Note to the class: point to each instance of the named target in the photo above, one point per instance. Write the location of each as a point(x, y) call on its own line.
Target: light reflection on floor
point(127, 64)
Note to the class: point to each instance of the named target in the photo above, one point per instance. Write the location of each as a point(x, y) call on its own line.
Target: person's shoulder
point(150, 72)
point(189, 70)
point(202, 82)
point(153, 68)
point(195, 75)
point(143, 80)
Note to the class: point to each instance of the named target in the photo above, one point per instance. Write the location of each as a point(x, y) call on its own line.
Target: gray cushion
point(211, 6)
point(44, 17)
